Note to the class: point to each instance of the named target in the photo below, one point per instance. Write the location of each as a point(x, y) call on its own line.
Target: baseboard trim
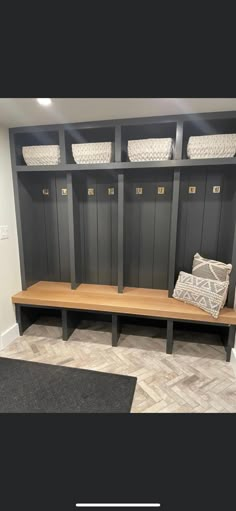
point(233, 359)
point(9, 336)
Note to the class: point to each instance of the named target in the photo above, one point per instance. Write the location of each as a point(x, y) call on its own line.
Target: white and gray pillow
point(208, 294)
point(211, 269)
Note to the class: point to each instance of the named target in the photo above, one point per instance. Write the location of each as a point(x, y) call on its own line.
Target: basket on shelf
point(94, 152)
point(212, 146)
point(150, 149)
point(41, 154)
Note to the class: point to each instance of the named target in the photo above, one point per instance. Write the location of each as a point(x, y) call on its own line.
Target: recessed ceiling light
point(44, 101)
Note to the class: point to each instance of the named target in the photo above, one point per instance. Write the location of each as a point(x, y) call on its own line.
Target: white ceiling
point(15, 112)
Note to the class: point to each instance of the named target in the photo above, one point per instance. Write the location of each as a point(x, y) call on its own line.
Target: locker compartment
point(95, 200)
point(148, 199)
point(206, 210)
point(44, 221)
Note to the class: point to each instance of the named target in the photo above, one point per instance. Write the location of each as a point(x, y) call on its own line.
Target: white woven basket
point(41, 154)
point(150, 149)
point(95, 152)
point(212, 146)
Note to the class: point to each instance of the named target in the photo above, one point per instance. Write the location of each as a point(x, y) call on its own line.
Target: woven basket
point(150, 149)
point(212, 146)
point(41, 154)
point(95, 152)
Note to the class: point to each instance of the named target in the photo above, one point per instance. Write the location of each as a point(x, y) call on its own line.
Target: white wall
point(10, 281)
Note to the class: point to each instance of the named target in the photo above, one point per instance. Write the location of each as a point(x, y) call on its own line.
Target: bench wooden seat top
point(103, 298)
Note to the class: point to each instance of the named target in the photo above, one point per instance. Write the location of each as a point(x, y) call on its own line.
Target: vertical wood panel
point(146, 240)
point(104, 234)
point(80, 192)
point(38, 232)
point(232, 284)
point(181, 225)
point(191, 216)
point(25, 202)
point(162, 233)
point(62, 144)
point(118, 143)
point(132, 233)
point(51, 225)
point(72, 230)
point(114, 236)
point(174, 215)
point(63, 228)
point(19, 222)
point(178, 141)
point(91, 232)
point(212, 214)
point(120, 234)
point(224, 248)
point(225, 239)
point(195, 215)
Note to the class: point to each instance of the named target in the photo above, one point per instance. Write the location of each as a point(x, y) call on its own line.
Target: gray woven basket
point(212, 146)
point(95, 152)
point(41, 154)
point(150, 149)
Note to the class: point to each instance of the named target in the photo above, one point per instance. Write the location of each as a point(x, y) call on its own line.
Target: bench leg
point(116, 328)
point(25, 317)
point(169, 339)
point(230, 342)
point(69, 323)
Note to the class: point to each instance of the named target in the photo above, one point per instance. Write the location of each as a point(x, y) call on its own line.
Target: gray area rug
point(31, 387)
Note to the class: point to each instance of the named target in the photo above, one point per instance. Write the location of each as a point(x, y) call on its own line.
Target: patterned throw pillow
point(207, 294)
point(210, 269)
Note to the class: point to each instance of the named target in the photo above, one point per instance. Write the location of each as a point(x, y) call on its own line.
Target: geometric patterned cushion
point(207, 294)
point(211, 269)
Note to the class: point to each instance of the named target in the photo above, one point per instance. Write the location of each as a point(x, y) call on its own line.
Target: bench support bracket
point(230, 342)
point(169, 337)
point(25, 316)
point(69, 323)
point(116, 329)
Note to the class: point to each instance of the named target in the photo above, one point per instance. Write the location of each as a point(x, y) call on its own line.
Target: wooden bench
point(151, 303)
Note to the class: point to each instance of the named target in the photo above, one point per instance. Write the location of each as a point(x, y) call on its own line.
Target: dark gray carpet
point(31, 387)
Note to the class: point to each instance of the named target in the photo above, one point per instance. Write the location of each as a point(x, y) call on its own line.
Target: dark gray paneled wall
point(206, 224)
point(44, 227)
point(96, 228)
point(147, 230)
point(205, 218)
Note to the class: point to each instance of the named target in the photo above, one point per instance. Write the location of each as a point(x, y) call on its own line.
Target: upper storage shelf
point(153, 130)
point(110, 140)
point(93, 136)
point(33, 138)
point(201, 127)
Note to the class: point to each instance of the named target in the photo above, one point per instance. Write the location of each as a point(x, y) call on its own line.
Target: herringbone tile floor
point(195, 378)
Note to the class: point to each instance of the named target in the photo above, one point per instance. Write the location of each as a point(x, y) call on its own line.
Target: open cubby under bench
point(134, 302)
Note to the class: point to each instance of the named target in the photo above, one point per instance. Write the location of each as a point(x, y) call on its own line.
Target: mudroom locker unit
point(124, 226)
